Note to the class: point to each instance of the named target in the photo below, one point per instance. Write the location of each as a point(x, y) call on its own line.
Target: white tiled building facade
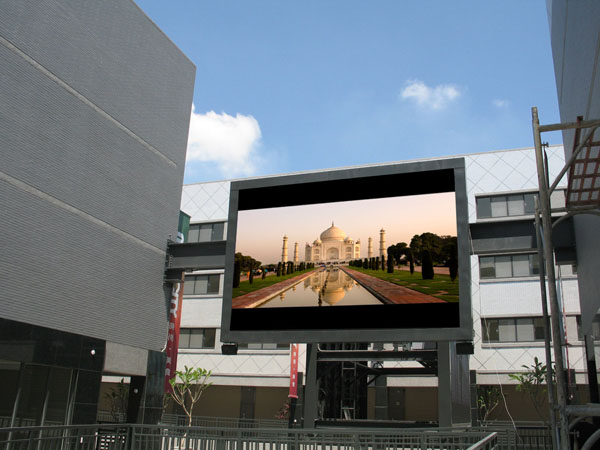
point(254, 382)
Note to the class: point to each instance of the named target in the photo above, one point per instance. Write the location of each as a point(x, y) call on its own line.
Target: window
point(257, 346)
point(197, 337)
point(526, 329)
point(508, 266)
point(505, 205)
point(206, 232)
point(202, 284)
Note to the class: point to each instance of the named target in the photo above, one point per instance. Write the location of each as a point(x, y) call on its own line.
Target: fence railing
point(223, 422)
point(161, 437)
point(521, 436)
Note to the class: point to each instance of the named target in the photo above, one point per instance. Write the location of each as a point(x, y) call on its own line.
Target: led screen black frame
point(424, 322)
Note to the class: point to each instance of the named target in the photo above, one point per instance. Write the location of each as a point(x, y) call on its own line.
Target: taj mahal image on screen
point(333, 246)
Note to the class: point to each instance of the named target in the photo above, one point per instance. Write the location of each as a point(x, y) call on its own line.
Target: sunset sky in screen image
point(260, 232)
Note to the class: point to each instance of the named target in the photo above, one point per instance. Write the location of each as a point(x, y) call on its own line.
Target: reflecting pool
point(328, 287)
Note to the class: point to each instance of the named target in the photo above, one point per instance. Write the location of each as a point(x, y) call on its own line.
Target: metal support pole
point(381, 395)
point(592, 373)
point(444, 384)
point(311, 396)
point(568, 125)
point(547, 327)
point(561, 393)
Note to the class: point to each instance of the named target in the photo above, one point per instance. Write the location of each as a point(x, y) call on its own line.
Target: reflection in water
point(325, 288)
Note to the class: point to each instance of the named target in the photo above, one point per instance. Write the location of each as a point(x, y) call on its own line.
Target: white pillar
point(370, 248)
point(382, 248)
point(296, 254)
point(284, 250)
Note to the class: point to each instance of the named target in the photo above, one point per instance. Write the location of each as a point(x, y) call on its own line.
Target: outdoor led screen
point(364, 254)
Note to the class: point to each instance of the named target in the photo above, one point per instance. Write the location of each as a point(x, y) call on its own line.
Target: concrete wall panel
point(94, 114)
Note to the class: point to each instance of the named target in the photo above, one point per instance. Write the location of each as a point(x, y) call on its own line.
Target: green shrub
point(426, 266)
point(237, 271)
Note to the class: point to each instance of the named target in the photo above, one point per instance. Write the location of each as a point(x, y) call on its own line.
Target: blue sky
point(287, 86)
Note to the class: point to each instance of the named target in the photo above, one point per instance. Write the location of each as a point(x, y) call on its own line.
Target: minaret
point(370, 248)
point(296, 254)
point(284, 254)
point(382, 250)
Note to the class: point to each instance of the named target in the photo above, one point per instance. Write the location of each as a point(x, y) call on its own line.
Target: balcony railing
point(163, 437)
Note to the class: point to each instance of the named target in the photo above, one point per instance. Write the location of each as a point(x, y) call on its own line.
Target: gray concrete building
point(575, 37)
point(94, 113)
point(505, 297)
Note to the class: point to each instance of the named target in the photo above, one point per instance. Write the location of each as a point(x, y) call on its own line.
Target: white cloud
point(499, 103)
point(437, 97)
point(227, 141)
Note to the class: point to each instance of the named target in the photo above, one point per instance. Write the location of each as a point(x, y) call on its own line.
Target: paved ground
point(256, 298)
point(392, 292)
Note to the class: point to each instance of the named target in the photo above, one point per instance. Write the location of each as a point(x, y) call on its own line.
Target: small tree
point(279, 269)
point(426, 266)
point(533, 382)
point(376, 263)
point(411, 261)
point(118, 398)
point(251, 276)
point(453, 266)
point(453, 262)
point(488, 399)
point(264, 273)
point(188, 387)
point(365, 264)
point(284, 411)
point(383, 267)
point(390, 265)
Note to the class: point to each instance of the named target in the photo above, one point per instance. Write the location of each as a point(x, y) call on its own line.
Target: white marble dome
point(333, 233)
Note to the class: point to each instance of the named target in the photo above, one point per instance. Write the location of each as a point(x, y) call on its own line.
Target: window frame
point(187, 333)
point(535, 330)
point(215, 227)
point(188, 280)
point(255, 346)
point(484, 266)
point(483, 203)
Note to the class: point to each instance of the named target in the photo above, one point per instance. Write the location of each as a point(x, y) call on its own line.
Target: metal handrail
point(161, 437)
point(487, 443)
point(206, 421)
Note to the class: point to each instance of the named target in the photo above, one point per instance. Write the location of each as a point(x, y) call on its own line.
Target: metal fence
point(521, 437)
point(161, 437)
point(197, 421)
point(223, 422)
point(510, 436)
